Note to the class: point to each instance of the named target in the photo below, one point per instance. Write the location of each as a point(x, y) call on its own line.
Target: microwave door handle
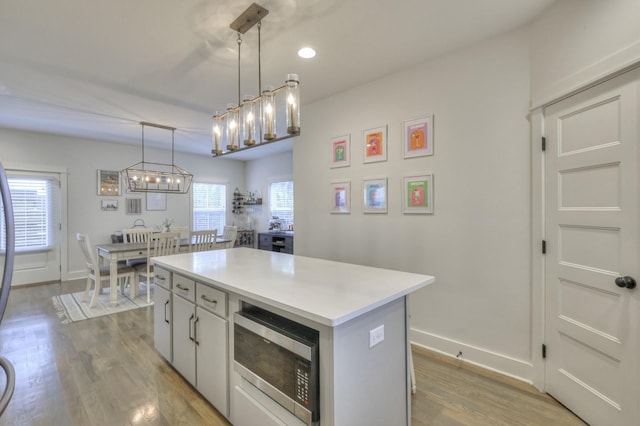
point(191, 319)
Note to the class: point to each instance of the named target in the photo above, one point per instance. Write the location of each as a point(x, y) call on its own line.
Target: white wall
point(477, 241)
point(259, 174)
point(577, 42)
point(82, 158)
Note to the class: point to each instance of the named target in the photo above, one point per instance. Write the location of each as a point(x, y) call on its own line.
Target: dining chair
point(136, 235)
point(98, 274)
point(183, 230)
point(230, 233)
point(158, 244)
point(202, 240)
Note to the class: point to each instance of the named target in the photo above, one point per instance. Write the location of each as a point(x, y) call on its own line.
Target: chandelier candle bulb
point(268, 118)
point(293, 102)
point(232, 126)
point(248, 121)
point(216, 134)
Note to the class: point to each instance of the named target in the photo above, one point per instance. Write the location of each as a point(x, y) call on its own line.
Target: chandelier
point(157, 177)
point(253, 121)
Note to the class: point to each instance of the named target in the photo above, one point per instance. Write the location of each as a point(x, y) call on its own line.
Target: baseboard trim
point(498, 363)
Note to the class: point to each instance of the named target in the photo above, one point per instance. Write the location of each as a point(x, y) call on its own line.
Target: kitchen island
point(360, 314)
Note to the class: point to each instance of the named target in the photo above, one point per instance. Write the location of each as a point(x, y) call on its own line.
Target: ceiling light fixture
point(253, 121)
point(157, 177)
point(307, 53)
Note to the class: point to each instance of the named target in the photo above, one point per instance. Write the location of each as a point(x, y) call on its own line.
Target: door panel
point(592, 238)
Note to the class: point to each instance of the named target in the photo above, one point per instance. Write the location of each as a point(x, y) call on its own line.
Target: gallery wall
point(476, 243)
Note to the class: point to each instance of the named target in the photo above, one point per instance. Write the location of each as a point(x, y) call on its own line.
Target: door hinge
point(544, 143)
point(544, 351)
point(544, 247)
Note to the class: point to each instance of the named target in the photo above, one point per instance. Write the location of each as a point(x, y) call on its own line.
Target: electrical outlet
point(376, 336)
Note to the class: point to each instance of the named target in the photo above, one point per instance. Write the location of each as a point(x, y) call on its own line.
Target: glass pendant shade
point(292, 96)
point(268, 114)
point(248, 121)
point(218, 125)
point(233, 128)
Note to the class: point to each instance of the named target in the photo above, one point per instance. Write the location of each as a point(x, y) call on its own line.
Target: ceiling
point(96, 69)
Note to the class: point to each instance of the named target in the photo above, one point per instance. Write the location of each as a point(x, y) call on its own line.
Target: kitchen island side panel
point(370, 385)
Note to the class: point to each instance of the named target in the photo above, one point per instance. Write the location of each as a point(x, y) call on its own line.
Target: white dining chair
point(99, 274)
point(202, 240)
point(230, 233)
point(158, 244)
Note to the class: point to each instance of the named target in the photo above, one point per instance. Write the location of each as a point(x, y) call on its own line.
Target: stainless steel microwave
point(279, 357)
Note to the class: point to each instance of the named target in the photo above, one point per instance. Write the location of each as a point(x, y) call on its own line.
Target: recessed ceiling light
point(306, 52)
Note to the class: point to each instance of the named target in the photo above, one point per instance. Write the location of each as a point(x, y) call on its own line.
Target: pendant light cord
point(259, 60)
point(239, 44)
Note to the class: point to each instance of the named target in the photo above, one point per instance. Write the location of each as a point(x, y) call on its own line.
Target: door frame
point(538, 225)
point(63, 240)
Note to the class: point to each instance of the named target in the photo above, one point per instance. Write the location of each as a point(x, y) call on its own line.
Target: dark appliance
point(279, 357)
point(7, 252)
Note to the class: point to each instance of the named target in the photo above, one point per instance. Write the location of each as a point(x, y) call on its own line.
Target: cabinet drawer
point(212, 299)
point(162, 277)
point(184, 287)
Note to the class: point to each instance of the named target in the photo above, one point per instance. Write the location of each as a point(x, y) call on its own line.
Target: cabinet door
point(184, 351)
point(211, 356)
point(162, 311)
point(248, 412)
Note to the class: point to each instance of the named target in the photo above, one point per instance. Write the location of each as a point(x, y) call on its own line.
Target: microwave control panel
point(303, 373)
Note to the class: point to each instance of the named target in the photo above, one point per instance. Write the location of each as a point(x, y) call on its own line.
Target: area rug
point(71, 308)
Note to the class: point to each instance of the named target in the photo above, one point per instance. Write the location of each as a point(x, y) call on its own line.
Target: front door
point(36, 205)
point(592, 220)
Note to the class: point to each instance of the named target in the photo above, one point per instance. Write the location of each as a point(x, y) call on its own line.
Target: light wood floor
point(105, 371)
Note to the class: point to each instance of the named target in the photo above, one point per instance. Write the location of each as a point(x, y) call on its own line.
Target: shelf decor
point(374, 193)
point(109, 183)
point(375, 144)
point(341, 197)
point(340, 151)
point(418, 137)
point(417, 194)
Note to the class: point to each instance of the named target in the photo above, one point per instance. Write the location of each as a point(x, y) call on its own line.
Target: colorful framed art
point(417, 194)
point(109, 183)
point(341, 197)
point(375, 144)
point(374, 192)
point(341, 151)
point(418, 137)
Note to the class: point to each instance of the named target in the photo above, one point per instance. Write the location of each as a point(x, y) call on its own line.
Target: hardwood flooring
point(105, 371)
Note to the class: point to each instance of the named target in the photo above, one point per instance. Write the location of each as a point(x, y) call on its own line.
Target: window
point(209, 206)
point(34, 201)
point(281, 202)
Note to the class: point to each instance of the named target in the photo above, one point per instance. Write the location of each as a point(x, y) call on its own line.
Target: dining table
point(116, 252)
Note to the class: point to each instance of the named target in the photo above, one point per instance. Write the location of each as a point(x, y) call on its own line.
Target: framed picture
point(156, 201)
point(417, 194)
point(374, 192)
point(375, 144)
point(109, 205)
point(134, 205)
point(341, 197)
point(109, 183)
point(340, 151)
point(418, 137)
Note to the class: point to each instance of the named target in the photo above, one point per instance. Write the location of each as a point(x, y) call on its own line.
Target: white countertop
point(327, 292)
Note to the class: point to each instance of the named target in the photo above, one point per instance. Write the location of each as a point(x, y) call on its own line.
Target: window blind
point(35, 201)
point(209, 206)
point(281, 201)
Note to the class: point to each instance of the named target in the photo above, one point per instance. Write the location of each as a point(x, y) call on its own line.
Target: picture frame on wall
point(109, 183)
point(341, 151)
point(341, 197)
point(417, 194)
point(156, 201)
point(417, 138)
point(134, 205)
point(374, 192)
point(375, 144)
point(109, 205)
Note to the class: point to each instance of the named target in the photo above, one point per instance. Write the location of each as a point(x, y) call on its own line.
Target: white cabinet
point(162, 312)
point(248, 412)
point(200, 339)
point(184, 346)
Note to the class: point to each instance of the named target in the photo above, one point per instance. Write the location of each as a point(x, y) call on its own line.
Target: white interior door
point(36, 204)
point(592, 192)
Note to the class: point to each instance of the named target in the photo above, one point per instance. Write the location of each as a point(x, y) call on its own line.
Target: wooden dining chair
point(97, 274)
point(230, 233)
point(202, 240)
point(158, 244)
point(136, 235)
